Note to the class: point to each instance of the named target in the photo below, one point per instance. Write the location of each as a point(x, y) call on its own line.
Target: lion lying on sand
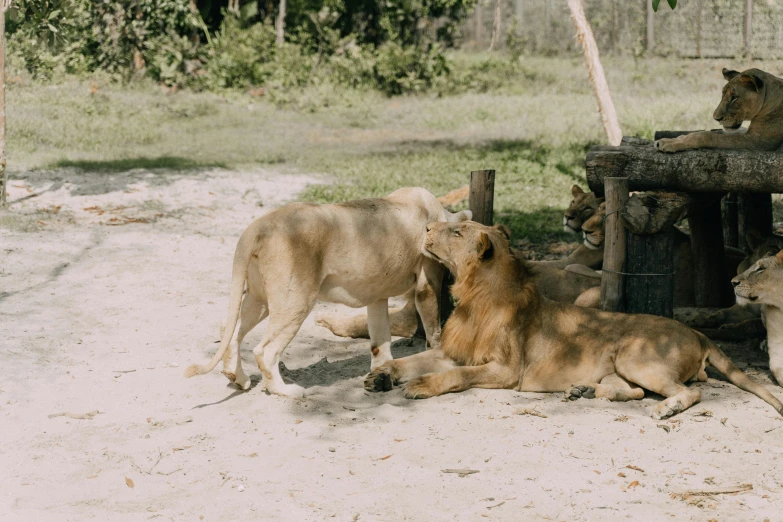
point(358, 253)
point(503, 334)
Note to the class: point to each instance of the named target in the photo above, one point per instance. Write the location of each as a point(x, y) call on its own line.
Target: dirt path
point(111, 285)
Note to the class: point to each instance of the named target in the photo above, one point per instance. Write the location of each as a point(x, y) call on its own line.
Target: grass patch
point(532, 122)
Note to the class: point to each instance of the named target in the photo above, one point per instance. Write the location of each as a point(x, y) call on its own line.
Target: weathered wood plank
point(690, 171)
point(612, 290)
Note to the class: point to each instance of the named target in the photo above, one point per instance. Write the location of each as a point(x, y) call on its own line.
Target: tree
point(596, 73)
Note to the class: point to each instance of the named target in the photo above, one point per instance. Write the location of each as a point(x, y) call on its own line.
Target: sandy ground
point(111, 285)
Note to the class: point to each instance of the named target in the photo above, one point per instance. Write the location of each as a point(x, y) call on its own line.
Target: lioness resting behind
point(762, 284)
point(503, 334)
point(751, 95)
point(358, 253)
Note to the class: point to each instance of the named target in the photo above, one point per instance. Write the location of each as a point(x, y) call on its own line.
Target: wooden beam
point(612, 290)
point(690, 171)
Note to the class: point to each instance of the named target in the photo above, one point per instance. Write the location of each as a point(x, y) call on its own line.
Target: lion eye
point(759, 269)
point(457, 233)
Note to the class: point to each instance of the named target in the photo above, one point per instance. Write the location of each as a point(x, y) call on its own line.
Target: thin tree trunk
point(748, 27)
point(614, 25)
point(699, 6)
point(520, 12)
point(4, 172)
point(280, 23)
point(548, 21)
point(495, 27)
point(479, 19)
point(650, 27)
point(596, 73)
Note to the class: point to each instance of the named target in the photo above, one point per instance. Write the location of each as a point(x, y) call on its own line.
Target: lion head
point(759, 247)
point(593, 229)
point(582, 207)
point(762, 283)
point(743, 98)
point(464, 244)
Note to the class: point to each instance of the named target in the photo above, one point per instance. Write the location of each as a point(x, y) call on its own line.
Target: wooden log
point(649, 260)
point(614, 246)
point(690, 171)
point(729, 216)
point(754, 212)
point(709, 260)
point(482, 202)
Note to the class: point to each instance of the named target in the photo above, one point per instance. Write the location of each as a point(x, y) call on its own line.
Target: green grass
point(531, 122)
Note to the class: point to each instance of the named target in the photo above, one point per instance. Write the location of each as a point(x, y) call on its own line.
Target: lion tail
point(737, 377)
point(238, 277)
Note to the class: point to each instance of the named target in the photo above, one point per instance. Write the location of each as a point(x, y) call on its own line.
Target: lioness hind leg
point(284, 322)
point(615, 388)
point(657, 378)
point(254, 310)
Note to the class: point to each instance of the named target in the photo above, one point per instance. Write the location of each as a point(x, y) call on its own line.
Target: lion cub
point(762, 284)
point(504, 334)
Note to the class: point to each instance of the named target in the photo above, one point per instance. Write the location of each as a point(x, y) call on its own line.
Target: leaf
point(631, 466)
point(129, 483)
point(386, 457)
point(633, 484)
point(672, 3)
point(655, 5)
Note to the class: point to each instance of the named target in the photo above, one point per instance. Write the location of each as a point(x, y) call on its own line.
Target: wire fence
point(696, 28)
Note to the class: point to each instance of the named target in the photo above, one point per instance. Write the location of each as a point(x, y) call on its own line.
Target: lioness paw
point(668, 145)
point(580, 392)
point(379, 380)
point(419, 388)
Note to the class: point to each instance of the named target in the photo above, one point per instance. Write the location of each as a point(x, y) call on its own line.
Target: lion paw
point(666, 409)
point(580, 392)
point(287, 390)
point(419, 388)
point(379, 380)
point(668, 145)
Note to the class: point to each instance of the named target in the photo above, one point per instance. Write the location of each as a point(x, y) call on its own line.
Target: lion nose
point(735, 282)
point(429, 226)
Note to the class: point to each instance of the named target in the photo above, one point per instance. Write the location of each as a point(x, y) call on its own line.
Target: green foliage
point(656, 3)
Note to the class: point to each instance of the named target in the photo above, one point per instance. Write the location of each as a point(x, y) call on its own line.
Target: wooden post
point(481, 202)
point(650, 27)
point(616, 191)
point(649, 260)
point(711, 286)
point(482, 196)
point(754, 213)
point(3, 171)
point(729, 215)
point(748, 27)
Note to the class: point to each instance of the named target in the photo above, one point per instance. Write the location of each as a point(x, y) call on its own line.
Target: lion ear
point(503, 229)
point(779, 257)
point(600, 200)
point(484, 247)
point(729, 74)
point(753, 238)
point(751, 81)
point(576, 190)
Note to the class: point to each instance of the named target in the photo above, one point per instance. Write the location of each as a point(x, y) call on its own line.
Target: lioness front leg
point(380, 333)
point(492, 375)
point(427, 299)
point(714, 140)
point(397, 371)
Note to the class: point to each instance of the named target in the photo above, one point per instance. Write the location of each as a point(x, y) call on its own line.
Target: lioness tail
point(238, 278)
point(737, 377)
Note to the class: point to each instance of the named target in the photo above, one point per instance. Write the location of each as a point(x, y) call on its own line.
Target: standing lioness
point(358, 253)
point(503, 334)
